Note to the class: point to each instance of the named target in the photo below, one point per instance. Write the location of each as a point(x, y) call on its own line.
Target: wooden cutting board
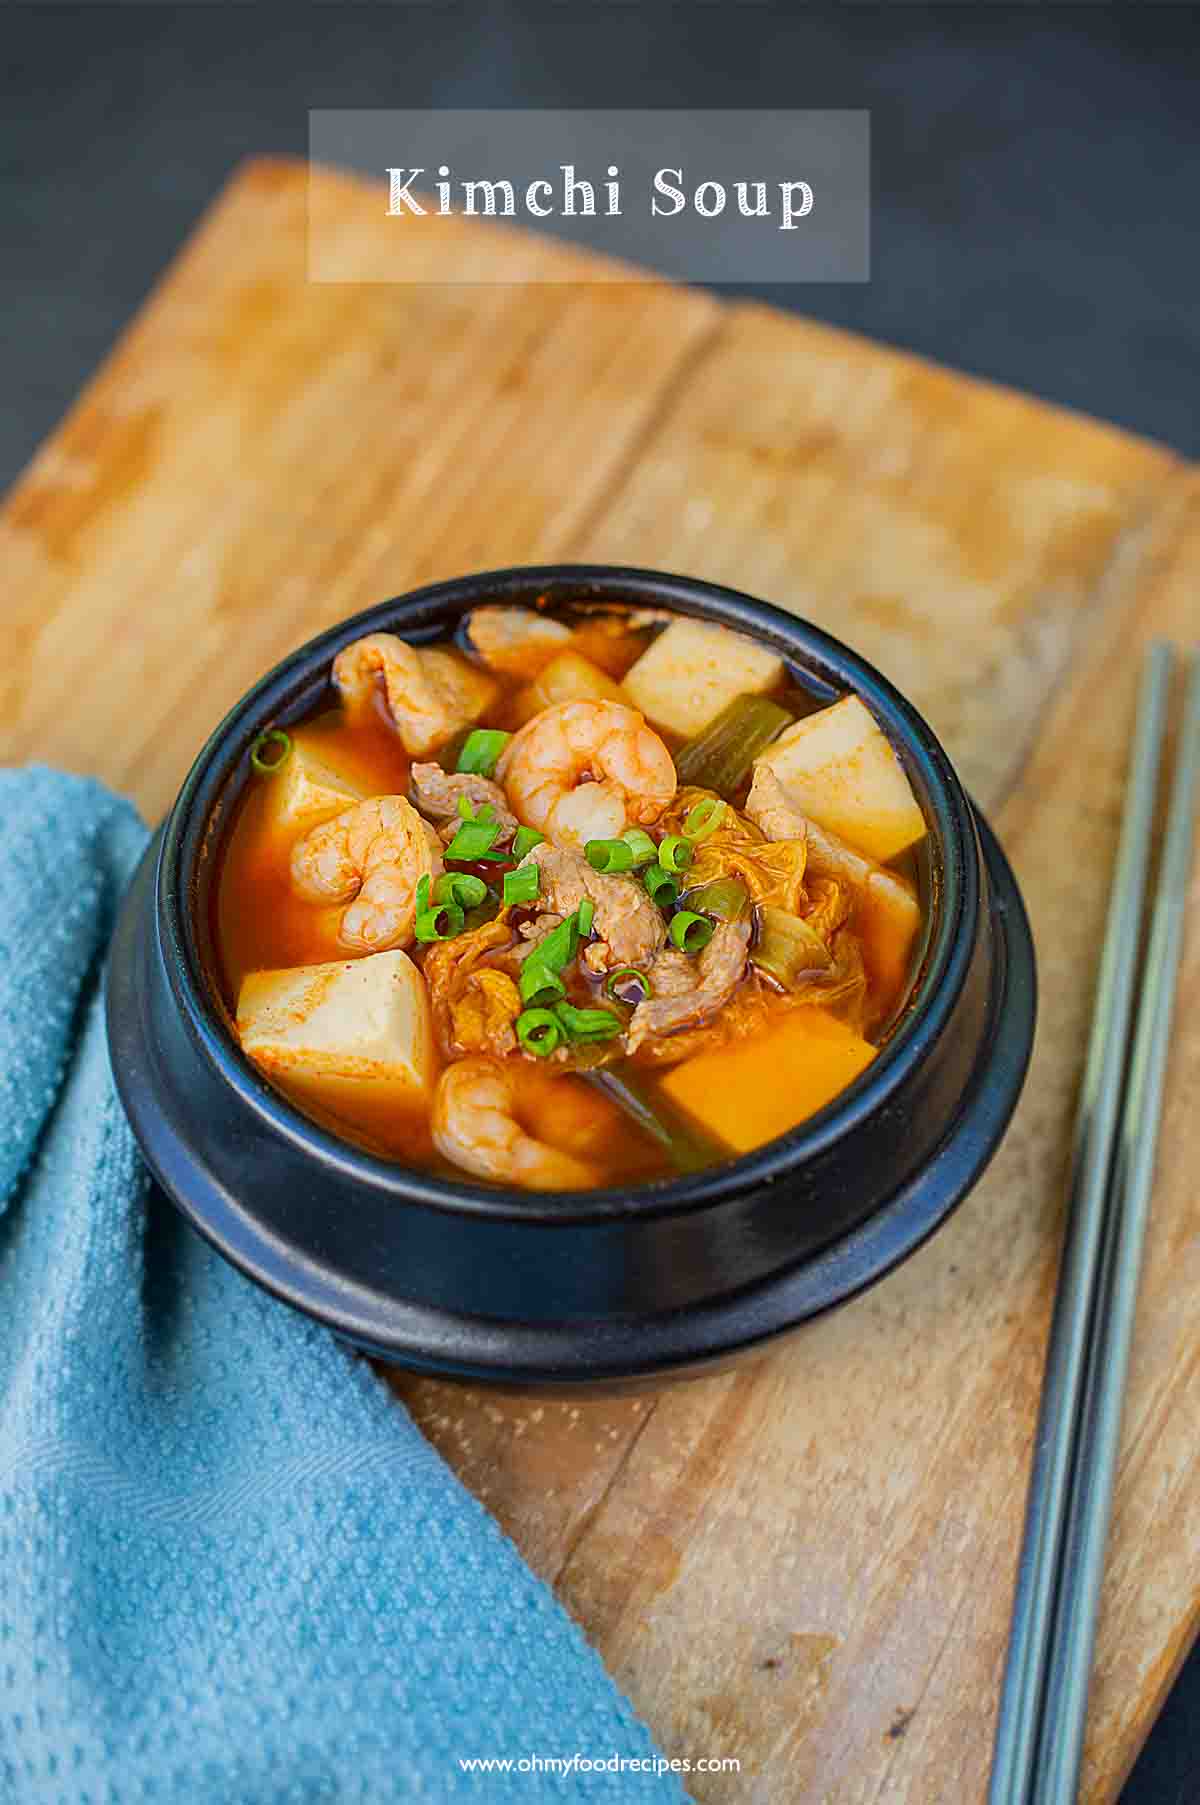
point(806, 1564)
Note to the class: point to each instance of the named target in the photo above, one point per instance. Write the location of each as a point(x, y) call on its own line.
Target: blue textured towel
point(232, 1572)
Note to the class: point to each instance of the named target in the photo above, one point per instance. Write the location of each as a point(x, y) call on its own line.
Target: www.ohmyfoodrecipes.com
point(599, 1764)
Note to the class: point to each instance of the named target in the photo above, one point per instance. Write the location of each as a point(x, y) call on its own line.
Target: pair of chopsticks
point(1043, 1707)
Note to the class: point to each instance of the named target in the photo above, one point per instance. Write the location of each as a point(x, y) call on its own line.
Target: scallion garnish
point(662, 885)
point(521, 886)
point(690, 933)
point(586, 914)
point(475, 840)
point(436, 920)
point(626, 978)
point(265, 761)
point(675, 853)
point(609, 856)
point(481, 750)
point(524, 840)
point(539, 1032)
point(468, 812)
point(640, 845)
point(539, 986)
point(484, 912)
point(559, 947)
point(460, 889)
point(705, 818)
point(725, 897)
point(584, 1025)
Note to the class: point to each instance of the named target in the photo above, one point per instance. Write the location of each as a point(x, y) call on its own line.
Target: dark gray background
point(1036, 210)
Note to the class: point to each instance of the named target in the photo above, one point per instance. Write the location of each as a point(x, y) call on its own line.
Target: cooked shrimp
point(430, 693)
point(585, 770)
point(371, 856)
point(475, 1127)
point(515, 640)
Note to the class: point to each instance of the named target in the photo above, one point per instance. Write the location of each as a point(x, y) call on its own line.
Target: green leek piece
point(720, 758)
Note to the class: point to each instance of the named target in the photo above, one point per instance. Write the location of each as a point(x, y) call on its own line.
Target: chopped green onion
point(265, 765)
point(461, 889)
point(675, 853)
point(484, 912)
point(725, 897)
point(687, 1145)
point(559, 947)
point(539, 982)
point(705, 818)
point(641, 845)
point(624, 978)
point(521, 886)
point(468, 812)
point(587, 1024)
point(690, 933)
point(720, 757)
point(481, 749)
point(609, 855)
point(662, 885)
point(436, 921)
point(538, 1032)
point(524, 840)
point(475, 840)
point(539, 986)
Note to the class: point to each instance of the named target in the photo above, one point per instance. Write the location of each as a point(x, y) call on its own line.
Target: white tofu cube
point(306, 791)
point(693, 670)
point(839, 768)
point(343, 1030)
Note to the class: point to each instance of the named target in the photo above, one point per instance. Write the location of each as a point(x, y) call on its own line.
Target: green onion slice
point(524, 840)
point(539, 986)
point(586, 915)
point(609, 855)
point(559, 947)
point(266, 761)
point(640, 845)
point(484, 912)
point(725, 897)
point(475, 840)
point(539, 1032)
point(705, 818)
point(662, 885)
point(675, 853)
point(624, 978)
point(468, 812)
point(437, 920)
point(521, 886)
point(461, 889)
point(586, 1025)
point(690, 933)
point(481, 750)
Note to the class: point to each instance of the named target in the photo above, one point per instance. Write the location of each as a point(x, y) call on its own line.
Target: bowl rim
point(214, 781)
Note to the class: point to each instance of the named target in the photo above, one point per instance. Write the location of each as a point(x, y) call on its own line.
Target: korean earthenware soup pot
point(465, 1278)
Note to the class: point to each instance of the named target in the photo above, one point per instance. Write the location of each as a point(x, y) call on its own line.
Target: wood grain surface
point(807, 1563)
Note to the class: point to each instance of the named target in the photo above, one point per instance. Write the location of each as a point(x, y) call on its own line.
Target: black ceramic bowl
point(579, 1287)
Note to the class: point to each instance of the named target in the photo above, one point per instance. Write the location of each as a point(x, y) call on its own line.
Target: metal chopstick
point(1095, 1130)
point(1064, 1715)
